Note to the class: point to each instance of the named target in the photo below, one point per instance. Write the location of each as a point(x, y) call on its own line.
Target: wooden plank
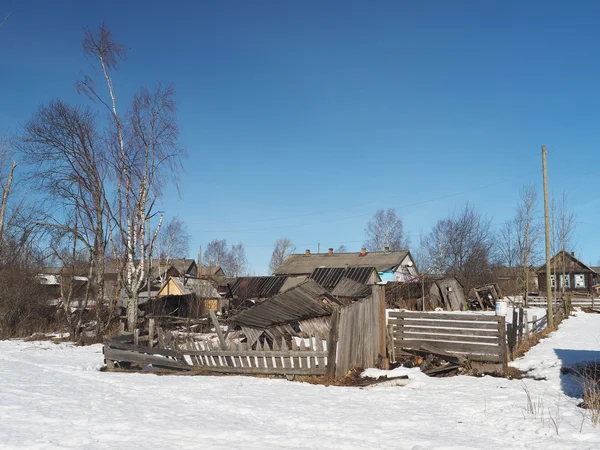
point(151, 332)
point(454, 358)
point(261, 370)
point(445, 324)
point(273, 353)
point(520, 335)
point(446, 337)
point(135, 357)
point(145, 350)
point(215, 322)
point(453, 331)
point(332, 342)
point(379, 298)
point(443, 316)
point(450, 346)
point(161, 337)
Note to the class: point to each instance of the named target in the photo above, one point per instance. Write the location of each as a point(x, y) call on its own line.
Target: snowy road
point(53, 396)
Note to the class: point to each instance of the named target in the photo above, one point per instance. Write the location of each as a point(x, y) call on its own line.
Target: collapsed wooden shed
point(445, 293)
point(304, 307)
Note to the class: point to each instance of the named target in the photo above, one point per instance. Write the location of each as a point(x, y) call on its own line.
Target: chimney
point(363, 251)
point(386, 249)
point(572, 253)
point(307, 253)
point(330, 251)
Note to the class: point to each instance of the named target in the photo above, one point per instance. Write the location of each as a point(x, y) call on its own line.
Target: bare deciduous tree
point(461, 246)
point(62, 146)
point(564, 225)
point(172, 243)
point(238, 263)
point(341, 249)
point(505, 243)
point(6, 180)
point(527, 234)
point(232, 260)
point(144, 153)
point(386, 229)
point(283, 248)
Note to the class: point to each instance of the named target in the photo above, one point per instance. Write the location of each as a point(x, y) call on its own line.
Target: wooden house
point(568, 273)
point(390, 265)
point(186, 297)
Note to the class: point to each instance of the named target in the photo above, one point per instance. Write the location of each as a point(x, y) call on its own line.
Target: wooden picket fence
point(301, 357)
point(477, 337)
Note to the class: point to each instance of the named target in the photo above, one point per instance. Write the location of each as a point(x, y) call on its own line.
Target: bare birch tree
point(144, 153)
point(173, 242)
point(284, 247)
point(6, 180)
point(527, 234)
point(386, 229)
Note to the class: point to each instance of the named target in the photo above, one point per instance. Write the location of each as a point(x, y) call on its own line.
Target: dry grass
point(533, 340)
point(589, 374)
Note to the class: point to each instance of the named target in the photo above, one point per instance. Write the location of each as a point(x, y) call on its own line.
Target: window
point(579, 281)
point(565, 281)
point(553, 280)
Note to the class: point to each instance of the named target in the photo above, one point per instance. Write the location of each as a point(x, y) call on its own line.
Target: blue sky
point(302, 118)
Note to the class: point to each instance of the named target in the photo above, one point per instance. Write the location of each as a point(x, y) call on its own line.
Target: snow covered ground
point(53, 396)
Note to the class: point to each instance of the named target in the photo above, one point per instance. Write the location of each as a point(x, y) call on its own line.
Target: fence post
point(391, 346)
point(510, 337)
point(151, 332)
point(503, 353)
point(136, 336)
point(380, 292)
point(520, 326)
point(534, 327)
point(526, 323)
point(332, 342)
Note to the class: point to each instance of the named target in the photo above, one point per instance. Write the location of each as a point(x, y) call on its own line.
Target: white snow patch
point(53, 396)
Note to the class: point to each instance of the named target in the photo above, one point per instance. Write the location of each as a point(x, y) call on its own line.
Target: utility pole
point(547, 220)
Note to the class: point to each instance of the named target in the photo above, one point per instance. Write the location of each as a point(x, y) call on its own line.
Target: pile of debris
point(435, 362)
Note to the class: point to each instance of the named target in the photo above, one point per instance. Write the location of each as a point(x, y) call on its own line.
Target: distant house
point(511, 279)
point(186, 297)
point(390, 265)
point(569, 273)
point(210, 272)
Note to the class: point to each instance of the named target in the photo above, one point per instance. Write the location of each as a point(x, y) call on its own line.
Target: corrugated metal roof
point(301, 302)
point(329, 277)
point(299, 264)
point(348, 288)
point(256, 287)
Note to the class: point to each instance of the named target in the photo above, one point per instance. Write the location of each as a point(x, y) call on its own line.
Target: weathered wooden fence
point(581, 302)
point(478, 337)
point(121, 349)
point(360, 333)
point(522, 327)
point(301, 357)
